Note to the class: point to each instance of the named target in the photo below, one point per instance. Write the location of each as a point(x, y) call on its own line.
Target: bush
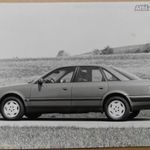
point(138, 50)
point(146, 48)
point(62, 53)
point(107, 50)
point(96, 52)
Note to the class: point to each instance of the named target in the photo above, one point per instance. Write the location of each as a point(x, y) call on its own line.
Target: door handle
point(101, 88)
point(65, 89)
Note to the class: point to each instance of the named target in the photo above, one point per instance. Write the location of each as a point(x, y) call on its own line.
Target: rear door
point(88, 87)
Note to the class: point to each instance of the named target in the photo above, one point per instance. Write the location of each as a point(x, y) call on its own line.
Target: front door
point(55, 90)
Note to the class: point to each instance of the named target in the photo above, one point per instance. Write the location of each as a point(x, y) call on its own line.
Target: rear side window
point(110, 76)
point(89, 74)
point(96, 75)
point(125, 76)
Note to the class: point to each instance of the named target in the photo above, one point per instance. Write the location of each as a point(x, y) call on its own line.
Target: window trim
point(75, 74)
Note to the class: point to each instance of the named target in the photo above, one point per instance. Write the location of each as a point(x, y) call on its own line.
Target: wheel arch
point(15, 94)
point(117, 93)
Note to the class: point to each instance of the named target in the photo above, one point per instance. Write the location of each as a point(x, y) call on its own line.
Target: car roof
point(83, 65)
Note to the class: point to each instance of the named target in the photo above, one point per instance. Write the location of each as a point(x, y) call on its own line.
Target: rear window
point(124, 75)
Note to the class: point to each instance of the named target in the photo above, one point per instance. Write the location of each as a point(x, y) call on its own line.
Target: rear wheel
point(12, 108)
point(33, 116)
point(133, 114)
point(117, 108)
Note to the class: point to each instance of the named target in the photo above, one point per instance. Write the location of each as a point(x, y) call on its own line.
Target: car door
point(89, 87)
point(55, 90)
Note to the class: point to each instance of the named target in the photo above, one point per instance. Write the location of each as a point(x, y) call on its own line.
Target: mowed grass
point(71, 137)
point(23, 70)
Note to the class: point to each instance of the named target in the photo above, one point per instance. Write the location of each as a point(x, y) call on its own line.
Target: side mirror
point(40, 81)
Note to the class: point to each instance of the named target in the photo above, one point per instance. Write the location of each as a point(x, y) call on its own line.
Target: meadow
point(23, 70)
point(20, 70)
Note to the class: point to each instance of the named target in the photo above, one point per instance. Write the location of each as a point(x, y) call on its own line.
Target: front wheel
point(117, 108)
point(12, 108)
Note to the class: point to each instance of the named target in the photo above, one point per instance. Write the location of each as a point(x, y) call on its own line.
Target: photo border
point(81, 1)
point(58, 1)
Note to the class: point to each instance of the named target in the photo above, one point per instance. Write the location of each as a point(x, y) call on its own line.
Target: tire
point(33, 116)
point(133, 114)
point(12, 108)
point(117, 108)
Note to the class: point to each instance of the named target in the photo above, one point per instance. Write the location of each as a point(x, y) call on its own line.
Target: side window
point(60, 75)
point(67, 78)
point(54, 76)
point(89, 74)
point(109, 76)
point(96, 75)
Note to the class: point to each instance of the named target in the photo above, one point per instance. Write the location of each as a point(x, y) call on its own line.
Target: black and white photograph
point(74, 75)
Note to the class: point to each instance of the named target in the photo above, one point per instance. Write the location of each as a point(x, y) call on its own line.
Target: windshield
point(126, 74)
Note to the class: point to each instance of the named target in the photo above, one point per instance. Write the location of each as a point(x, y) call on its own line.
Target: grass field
point(20, 70)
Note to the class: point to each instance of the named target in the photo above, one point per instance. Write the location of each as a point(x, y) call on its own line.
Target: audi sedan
point(78, 89)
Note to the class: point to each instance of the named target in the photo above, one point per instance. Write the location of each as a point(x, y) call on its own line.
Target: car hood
point(13, 85)
point(20, 89)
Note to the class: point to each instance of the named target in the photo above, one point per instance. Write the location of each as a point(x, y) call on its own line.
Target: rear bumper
point(140, 102)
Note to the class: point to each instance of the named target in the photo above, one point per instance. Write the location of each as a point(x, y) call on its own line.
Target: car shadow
point(140, 119)
point(85, 119)
point(70, 119)
point(80, 119)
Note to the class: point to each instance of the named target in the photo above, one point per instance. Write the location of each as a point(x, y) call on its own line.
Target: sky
point(42, 29)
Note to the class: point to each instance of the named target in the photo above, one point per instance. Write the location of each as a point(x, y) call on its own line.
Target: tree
point(107, 50)
point(62, 53)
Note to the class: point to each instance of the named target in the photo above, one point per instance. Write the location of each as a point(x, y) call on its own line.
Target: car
point(78, 89)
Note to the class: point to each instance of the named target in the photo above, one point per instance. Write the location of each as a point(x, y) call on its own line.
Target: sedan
point(78, 89)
